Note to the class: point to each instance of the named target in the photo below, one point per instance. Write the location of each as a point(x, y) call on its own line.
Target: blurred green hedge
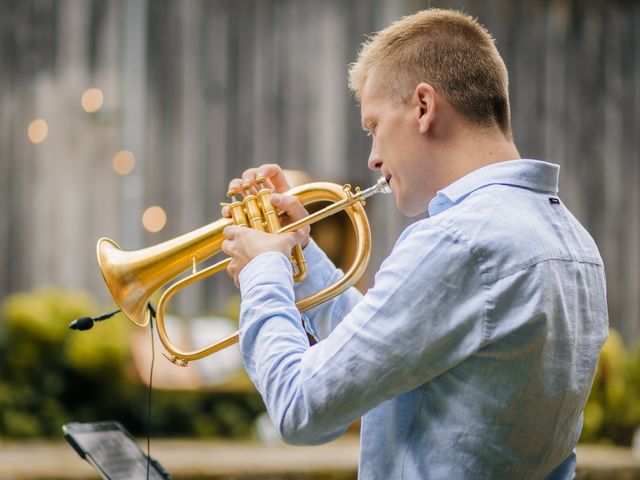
point(612, 413)
point(51, 375)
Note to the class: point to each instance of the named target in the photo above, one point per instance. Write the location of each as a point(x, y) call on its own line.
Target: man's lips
point(388, 178)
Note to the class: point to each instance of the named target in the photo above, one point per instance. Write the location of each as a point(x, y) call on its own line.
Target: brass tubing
point(273, 225)
point(354, 210)
point(132, 277)
point(253, 212)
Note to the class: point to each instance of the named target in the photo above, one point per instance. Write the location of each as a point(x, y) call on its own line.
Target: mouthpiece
point(381, 186)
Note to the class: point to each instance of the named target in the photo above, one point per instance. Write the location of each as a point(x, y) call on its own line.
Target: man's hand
point(244, 244)
point(276, 179)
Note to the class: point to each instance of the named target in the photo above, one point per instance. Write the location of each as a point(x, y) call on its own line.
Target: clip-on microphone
point(85, 323)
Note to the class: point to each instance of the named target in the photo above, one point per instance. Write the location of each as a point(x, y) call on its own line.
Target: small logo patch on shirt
point(554, 201)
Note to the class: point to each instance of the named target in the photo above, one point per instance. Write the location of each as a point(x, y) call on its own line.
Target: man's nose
point(375, 162)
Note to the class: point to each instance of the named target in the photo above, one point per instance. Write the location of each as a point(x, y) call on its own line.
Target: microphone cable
point(85, 323)
point(152, 316)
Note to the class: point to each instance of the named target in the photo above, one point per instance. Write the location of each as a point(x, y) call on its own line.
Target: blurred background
point(128, 118)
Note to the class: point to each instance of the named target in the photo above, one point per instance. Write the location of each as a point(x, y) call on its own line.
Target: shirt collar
point(531, 174)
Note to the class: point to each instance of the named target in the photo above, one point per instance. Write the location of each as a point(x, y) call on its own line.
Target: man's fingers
point(226, 248)
point(230, 232)
point(294, 209)
point(297, 238)
point(275, 178)
point(249, 176)
point(235, 184)
point(290, 204)
point(275, 175)
point(232, 270)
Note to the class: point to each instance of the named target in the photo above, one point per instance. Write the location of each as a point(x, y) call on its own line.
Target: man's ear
point(424, 97)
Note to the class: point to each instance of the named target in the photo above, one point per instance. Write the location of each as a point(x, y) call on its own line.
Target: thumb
point(294, 238)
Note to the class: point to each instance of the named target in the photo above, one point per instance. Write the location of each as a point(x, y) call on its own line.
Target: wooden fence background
point(201, 89)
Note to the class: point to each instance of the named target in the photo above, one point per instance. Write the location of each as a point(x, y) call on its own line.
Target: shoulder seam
point(455, 234)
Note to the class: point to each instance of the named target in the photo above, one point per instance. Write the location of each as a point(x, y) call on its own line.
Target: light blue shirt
point(473, 354)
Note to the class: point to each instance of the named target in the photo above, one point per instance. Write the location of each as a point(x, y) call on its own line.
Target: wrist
point(267, 267)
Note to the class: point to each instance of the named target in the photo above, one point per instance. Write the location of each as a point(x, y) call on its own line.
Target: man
point(473, 354)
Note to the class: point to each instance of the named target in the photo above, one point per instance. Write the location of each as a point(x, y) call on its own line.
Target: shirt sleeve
point(321, 320)
point(424, 315)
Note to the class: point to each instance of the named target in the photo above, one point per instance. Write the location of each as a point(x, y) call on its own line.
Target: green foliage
point(35, 373)
point(51, 375)
point(613, 410)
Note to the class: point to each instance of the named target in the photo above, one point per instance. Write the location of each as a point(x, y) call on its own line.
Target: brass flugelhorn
point(132, 277)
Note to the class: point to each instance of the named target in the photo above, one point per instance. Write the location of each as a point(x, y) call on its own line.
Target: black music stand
point(112, 451)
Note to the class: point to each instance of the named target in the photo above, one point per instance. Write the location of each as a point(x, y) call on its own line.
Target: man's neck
point(470, 150)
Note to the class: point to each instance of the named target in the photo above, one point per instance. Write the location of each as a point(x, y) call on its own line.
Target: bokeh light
point(92, 100)
point(154, 219)
point(38, 130)
point(124, 162)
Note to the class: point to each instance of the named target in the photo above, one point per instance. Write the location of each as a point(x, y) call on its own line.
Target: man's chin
point(410, 210)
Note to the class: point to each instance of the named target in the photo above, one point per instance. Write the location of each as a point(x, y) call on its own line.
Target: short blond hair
point(445, 48)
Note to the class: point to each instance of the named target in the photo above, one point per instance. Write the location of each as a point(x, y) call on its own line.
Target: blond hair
point(445, 48)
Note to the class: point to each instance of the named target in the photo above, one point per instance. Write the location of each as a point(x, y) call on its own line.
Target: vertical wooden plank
point(134, 108)
point(189, 159)
point(633, 176)
point(591, 160)
point(329, 95)
point(614, 96)
point(7, 205)
point(360, 20)
point(59, 189)
point(570, 174)
point(295, 91)
point(217, 34)
point(159, 128)
point(215, 50)
point(171, 166)
point(102, 215)
point(622, 194)
point(240, 106)
point(233, 155)
point(264, 84)
point(553, 120)
point(29, 62)
point(13, 130)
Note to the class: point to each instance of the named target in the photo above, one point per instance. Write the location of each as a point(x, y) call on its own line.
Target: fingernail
point(275, 198)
